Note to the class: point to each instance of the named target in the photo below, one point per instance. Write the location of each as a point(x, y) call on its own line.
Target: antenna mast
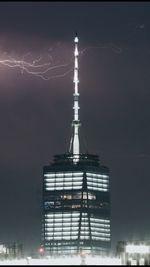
point(76, 121)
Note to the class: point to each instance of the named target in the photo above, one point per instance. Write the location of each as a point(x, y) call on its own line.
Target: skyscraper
point(76, 196)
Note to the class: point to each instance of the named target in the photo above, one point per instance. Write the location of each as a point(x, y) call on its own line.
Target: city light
point(141, 249)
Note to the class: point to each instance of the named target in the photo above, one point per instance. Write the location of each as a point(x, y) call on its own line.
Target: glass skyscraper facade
point(76, 206)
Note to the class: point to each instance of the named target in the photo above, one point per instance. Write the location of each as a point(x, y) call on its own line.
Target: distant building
point(11, 251)
point(76, 197)
point(133, 253)
point(15, 250)
point(3, 251)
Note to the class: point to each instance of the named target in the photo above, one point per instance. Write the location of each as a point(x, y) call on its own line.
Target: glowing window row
point(49, 180)
point(66, 233)
point(95, 175)
point(93, 230)
point(62, 215)
point(74, 174)
point(65, 188)
point(99, 220)
point(61, 238)
point(107, 226)
point(62, 226)
point(69, 181)
point(97, 180)
point(64, 220)
point(57, 224)
point(72, 233)
point(100, 226)
point(97, 184)
point(75, 214)
point(61, 229)
point(100, 229)
point(98, 223)
point(63, 184)
point(100, 234)
point(61, 234)
point(82, 235)
point(74, 227)
point(76, 237)
point(97, 188)
point(60, 221)
point(50, 237)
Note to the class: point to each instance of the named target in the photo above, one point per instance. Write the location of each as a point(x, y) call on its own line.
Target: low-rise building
point(133, 253)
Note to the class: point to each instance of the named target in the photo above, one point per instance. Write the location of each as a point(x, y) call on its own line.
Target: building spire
point(76, 121)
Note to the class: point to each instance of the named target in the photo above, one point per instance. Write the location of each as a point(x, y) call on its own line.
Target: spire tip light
point(76, 39)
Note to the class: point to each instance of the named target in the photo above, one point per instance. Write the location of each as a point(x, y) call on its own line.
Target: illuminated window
point(66, 197)
point(49, 175)
point(91, 196)
point(76, 206)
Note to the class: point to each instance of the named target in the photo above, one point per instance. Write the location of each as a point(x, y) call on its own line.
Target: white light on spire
point(76, 40)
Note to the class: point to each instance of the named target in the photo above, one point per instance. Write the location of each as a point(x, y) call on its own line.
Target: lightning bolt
point(47, 70)
point(37, 68)
point(113, 47)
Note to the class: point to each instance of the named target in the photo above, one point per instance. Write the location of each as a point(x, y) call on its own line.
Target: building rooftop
point(83, 159)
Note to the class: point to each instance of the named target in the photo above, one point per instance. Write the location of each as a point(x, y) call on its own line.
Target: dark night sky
point(35, 115)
